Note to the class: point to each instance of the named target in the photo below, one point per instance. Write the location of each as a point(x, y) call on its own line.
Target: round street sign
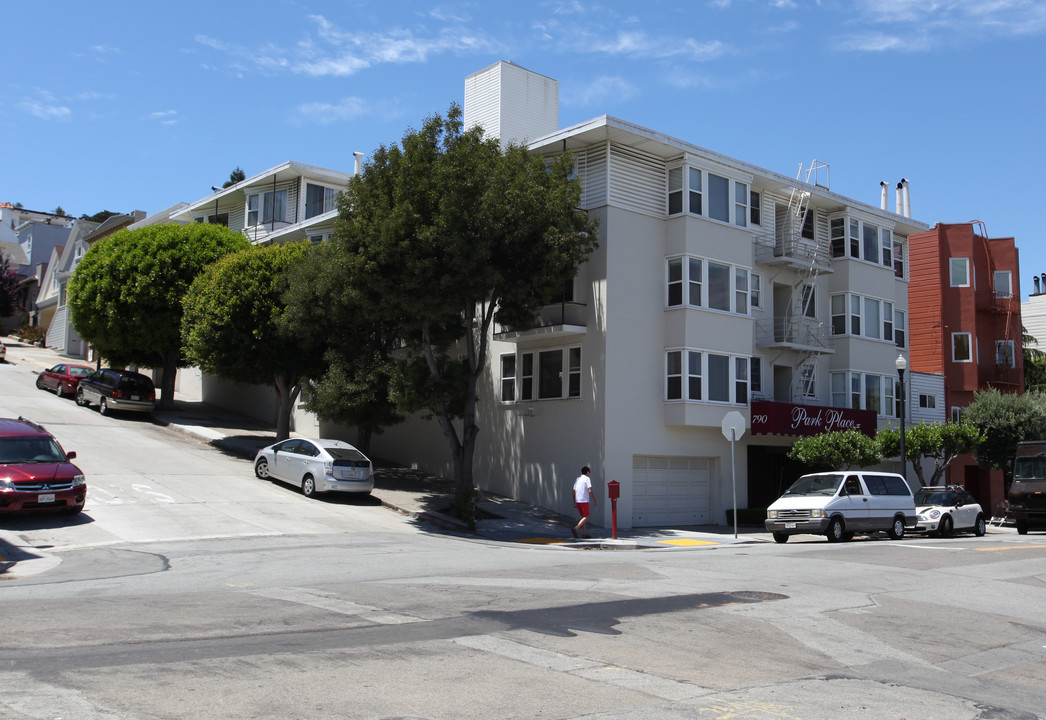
point(733, 425)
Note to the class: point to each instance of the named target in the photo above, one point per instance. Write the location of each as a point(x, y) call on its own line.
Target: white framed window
point(756, 296)
point(959, 272)
point(898, 258)
point(526, 376)
point(809, 301)
point(956, 414)
point(899, 335)
point(886, 238)
point(708, 194)
point(962, 347)
point(867, 317)
point(808, 381)
point(755, 207)
point(740, 204)
point(865, 391)
point(860, 240)
point(698, 283)
point(319, 199)
point(266, 207)
point(508, 378)
point(1003, 284)
point(756, 375)
point(927, 401)
point(1004, 353)
point(554, 373)
point(699, 376)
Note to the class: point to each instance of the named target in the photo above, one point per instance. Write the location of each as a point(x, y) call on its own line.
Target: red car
point(62, 378)
point(35, 473)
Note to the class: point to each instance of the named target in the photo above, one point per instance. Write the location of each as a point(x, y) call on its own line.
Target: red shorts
point(582, 508)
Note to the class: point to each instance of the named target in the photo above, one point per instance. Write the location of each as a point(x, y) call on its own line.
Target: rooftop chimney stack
point(1035, 281)
point(358, 167)
point(907, 202)
point(900, 201)
point(882, 201)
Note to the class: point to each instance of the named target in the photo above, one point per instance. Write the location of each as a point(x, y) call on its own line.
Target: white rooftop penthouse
point(289, 202)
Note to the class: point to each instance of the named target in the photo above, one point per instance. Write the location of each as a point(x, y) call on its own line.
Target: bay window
point(700, 192)
point(698, 376)
point(694, 282)
point(558, 374)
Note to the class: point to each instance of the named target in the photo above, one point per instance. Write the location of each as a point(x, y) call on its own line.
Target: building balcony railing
point(793, 333)
point(1000, 375)
point(796, 251)
point(564, 318)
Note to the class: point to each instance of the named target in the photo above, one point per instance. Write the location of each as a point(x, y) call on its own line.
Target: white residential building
point(717, 286)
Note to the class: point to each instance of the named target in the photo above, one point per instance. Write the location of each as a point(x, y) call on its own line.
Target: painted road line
point(684, 542)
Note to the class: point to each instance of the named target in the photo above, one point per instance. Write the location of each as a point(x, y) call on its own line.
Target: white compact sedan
point(944, 509)
point(316, 466)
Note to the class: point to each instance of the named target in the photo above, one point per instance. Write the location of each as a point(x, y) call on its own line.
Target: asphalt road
point(190, 589)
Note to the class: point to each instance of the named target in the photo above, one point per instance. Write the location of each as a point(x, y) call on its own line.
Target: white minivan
point(842, 503)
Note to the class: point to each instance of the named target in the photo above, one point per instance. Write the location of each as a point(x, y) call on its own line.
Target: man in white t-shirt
point(582, 496)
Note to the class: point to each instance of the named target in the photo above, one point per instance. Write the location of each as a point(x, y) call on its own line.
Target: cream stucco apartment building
point(717, 286)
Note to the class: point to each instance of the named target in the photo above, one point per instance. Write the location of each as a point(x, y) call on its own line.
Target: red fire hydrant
point(613, 492)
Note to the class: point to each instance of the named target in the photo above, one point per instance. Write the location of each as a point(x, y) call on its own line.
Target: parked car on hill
point(63, 379)
point(316, 465)
point(944, 509)
point(35, 473)
point(116, 390)
point(840, 504)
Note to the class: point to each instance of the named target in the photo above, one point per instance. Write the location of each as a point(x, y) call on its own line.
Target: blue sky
point(139, 105)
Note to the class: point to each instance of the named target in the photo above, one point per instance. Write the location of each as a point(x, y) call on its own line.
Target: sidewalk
point(418, 495)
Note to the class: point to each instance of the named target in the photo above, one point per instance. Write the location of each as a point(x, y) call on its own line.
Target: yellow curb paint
point(687, 541)
point(541, 541)
point(1011, 547)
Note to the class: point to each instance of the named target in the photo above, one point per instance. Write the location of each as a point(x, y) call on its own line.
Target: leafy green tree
point(99, 217)
point(234, 177)
point(8, 288)
point(838, 450)
point(232, 329)
point(59, 211)
point(941, 442)
point(324, 313)
point(126, 294)
point(438, 235)
point(1005, 419)
point(1034, 363)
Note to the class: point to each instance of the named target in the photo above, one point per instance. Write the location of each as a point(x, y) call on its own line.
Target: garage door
point(670, 491)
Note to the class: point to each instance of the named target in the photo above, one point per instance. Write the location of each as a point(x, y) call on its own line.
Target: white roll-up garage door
point(670, 490)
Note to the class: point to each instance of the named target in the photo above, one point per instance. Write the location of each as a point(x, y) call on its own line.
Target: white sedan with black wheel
point(946, 509)
point(316, 466)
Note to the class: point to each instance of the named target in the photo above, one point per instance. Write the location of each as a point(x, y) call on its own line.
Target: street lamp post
point(901, 364)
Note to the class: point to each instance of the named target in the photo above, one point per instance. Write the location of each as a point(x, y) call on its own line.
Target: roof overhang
point(286, 172)
point(607, 128)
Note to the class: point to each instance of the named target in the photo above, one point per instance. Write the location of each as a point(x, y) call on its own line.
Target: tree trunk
point(170, 373)
point(287, 389)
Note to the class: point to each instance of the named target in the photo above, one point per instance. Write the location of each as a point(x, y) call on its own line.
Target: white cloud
point(164, 117)
point(920, 24)
point(324, 113)
point(45, 109)
point(602, 90)
point(642, 46)
point(334, 52)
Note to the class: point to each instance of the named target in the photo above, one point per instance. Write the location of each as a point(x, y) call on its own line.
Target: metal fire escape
point(786, 247)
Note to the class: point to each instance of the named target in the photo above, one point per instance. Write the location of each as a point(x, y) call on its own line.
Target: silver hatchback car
point(316, 465)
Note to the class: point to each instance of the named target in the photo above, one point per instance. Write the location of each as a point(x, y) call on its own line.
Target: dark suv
point(35, 473)
point(116, 390)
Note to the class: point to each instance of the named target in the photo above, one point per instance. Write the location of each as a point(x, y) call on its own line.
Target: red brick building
point(965, 319)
